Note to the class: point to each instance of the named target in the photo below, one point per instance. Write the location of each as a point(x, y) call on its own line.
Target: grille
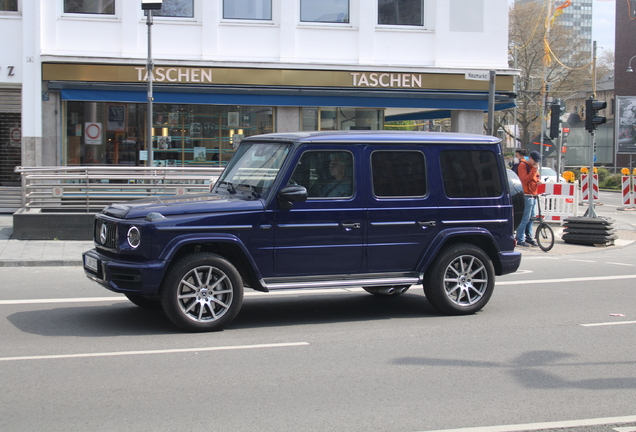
point(105, 233)
point(126, 279)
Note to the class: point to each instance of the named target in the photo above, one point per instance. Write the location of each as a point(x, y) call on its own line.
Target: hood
point(190, 204)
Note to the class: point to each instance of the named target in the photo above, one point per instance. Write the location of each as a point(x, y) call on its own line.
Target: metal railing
point(89, 189)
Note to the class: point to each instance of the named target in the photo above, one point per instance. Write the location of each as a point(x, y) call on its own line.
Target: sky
point(603, 23)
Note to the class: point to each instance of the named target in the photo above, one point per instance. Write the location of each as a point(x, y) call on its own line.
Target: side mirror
point(291, 194)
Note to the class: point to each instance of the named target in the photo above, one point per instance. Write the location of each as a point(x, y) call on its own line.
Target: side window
point(398, 173)
point(103, 7)
point(325, 174)
point(247, 9)
point(470, 174)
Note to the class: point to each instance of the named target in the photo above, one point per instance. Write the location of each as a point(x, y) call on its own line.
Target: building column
point(287, 119)
point(467, 121)
point(31, 85)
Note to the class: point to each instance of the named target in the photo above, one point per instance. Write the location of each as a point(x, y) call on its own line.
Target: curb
point(41, 263)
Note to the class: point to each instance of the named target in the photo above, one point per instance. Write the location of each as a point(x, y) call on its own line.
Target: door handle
point(350, 226)
point(426, 224)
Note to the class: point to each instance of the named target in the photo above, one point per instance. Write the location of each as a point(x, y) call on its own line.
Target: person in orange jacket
point(528, 172)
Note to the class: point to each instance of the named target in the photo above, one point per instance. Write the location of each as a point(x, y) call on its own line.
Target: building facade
point(74, 86)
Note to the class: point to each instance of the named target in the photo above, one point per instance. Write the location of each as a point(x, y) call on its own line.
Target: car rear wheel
point(460, 281)
point(202, 292)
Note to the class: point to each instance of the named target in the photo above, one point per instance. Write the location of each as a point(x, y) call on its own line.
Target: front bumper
point(120, 276)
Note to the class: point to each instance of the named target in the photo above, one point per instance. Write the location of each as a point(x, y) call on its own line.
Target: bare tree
point(530, 45)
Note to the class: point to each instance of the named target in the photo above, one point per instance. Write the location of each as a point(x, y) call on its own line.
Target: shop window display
point(183, 135)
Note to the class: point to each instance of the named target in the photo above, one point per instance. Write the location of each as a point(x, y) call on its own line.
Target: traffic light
point(592, 119)
point(555, 120)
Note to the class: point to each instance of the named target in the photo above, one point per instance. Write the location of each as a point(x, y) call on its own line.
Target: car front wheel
point(460, 281)
point(202, 292)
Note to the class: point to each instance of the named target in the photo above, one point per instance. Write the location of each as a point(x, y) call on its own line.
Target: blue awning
point(441, 103)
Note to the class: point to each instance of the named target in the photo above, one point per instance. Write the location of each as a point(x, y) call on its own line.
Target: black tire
point(389, 290)
point(544, 237)
point(144, 302)
point(202, 292)
point(460, 281)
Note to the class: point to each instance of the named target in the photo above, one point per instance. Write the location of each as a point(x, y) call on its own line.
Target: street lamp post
point(149, 6)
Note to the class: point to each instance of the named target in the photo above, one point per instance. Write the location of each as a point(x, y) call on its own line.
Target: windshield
point(548, 172)
point(253, 169)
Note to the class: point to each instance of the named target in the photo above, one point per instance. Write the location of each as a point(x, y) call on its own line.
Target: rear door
point(402, 216)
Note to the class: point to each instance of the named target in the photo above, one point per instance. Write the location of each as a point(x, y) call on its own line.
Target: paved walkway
point(23, 253)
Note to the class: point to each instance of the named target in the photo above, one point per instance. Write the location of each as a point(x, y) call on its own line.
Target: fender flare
point(249, 266)
point(448, 235)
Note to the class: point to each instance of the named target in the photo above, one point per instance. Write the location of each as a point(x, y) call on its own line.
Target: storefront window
point(175, 8)
point(247, 9)
point(9, 5)
point(351, 119)
point(309, 119)
point(336, 11)
point(183, 135)
point(401, 12)
point(106, 7)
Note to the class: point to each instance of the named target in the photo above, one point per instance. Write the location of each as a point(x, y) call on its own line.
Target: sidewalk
point(32, 253)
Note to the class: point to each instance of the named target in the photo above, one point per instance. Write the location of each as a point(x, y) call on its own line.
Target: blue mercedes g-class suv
point(380, 210)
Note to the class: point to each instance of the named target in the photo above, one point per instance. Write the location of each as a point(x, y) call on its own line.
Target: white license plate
point(90, 263)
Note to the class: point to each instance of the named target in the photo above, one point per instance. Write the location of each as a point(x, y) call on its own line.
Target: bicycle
point(544, 235)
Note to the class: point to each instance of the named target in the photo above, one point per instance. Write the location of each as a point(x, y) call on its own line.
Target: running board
point(342, 283)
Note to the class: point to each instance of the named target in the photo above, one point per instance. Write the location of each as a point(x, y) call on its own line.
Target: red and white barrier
point(628, 192)
point(585, 187)
point(561, 201)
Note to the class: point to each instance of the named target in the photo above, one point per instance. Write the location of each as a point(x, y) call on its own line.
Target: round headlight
point(134, 237)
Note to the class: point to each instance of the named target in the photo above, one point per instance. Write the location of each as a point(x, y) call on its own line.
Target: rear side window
point(398, 173)
point(470, 174)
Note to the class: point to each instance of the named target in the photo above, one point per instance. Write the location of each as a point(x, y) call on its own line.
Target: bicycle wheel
point(544, 236)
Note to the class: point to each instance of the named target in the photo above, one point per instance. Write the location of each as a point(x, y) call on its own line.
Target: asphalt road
point(553, 350)
point(74, 357)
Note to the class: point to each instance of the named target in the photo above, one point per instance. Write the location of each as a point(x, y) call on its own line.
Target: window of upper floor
point(175, 9)
point(95, 7)
point(247, 9)
point(8, 6)
point(324, 11)
point(401, 12)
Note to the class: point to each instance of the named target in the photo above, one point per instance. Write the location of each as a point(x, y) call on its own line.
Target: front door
point(325, 234)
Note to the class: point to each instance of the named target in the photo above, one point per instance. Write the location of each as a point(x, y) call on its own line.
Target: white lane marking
point(623, 264)
point(547, 425)
point(626, 429)
point(167, 351)
point(580, 260)
point(608, 323)
point(306, 291)
point(62, 300)
point(577, 279)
